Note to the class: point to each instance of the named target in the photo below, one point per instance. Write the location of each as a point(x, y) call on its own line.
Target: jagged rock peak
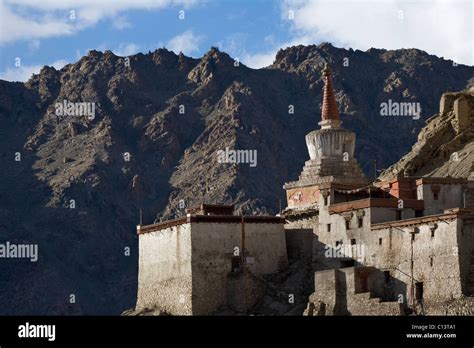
point(291, 57)
point(94, 53)
point(212, 62)
point(164, 52)
point(304, 50)
point(217, 56)
point(164, 57)
point(293, 53)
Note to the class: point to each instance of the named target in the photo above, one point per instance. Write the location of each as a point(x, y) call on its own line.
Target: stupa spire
point(329, 111)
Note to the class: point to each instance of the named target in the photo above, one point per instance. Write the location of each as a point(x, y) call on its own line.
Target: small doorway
point(364, 282)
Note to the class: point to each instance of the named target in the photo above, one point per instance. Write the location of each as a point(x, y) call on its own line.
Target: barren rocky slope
point(169, 114)
point(445, 146)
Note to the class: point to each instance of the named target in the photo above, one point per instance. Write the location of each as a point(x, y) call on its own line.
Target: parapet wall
point(346, 291)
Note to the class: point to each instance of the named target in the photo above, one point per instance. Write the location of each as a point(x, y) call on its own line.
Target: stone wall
point(466, 255)
point(364, 304)
point(324, 298)
point(164, 270)
point(442, 253)
point(435, 255)
point(244, 291)
point(380, 214)
point(214, 245)
point(346, 291)
point(459, 306)
point(448, 196)
point(310, 222)
point(299, 243)
point(187, 269)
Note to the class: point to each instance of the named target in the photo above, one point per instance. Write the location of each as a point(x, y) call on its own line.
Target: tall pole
point(243, 240)
point(412, 288)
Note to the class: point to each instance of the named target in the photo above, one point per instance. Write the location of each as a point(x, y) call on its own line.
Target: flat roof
point(327, 182)
point(448, 214)
point(423, 180)
point(210, 207)
point(292, 212)
point(435, 180)
point(374, 202)
point(229, 219)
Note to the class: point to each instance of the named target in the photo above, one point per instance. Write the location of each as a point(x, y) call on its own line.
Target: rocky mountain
point(75, 184)
point(445, 146)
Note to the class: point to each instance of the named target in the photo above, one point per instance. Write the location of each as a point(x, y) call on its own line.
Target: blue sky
point(46, 32)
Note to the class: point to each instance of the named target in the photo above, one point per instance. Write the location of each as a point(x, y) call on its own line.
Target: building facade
point(208, 260)
point(383, 248)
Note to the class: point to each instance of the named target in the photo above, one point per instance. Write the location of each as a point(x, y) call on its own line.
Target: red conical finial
point(329, 110)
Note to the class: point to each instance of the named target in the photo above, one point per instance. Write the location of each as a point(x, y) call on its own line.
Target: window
point(328, 226)
point(353, 241)
point(380, 241)
point(416, 230)
point(386, 276)
point(360, 222)
point(419, 291)
point(435, 196)
point(348, 224)
point(418, 213)
point(431, 261)
point(398, 214)
point(432, 232)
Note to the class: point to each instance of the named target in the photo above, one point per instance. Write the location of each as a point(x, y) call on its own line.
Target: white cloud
point(259, 60)
point(126, 49)
point(235, 45)
point(34, 45)
point(33, 19)
point(186, 42)
point(24, 72)
point(15, 27)
point(121, 22)
point(440, 27)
